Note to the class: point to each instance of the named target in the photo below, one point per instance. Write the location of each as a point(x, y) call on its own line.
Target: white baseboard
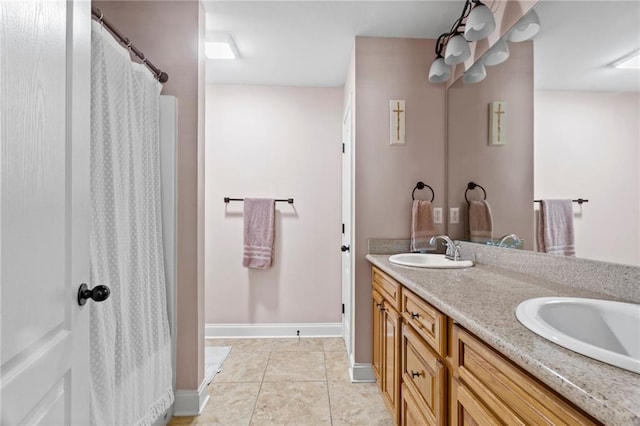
point(361, 373)
point(213, 331)
point(191, 402)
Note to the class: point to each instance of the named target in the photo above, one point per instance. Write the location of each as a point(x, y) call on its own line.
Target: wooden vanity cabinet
point(431, 371)
point(489, 389)
point(386, 340)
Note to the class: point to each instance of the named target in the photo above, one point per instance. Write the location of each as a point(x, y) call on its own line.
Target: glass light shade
point(498, 53)
point(475, 74)
point(526, 28)
point(457, 50)
point(480, 23)
point(439, 71)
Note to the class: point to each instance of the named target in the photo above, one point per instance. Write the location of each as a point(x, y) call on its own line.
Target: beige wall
point(505, 172)
point(281, 142)
point(385, 69)
point(587, 146)
point(167, 32)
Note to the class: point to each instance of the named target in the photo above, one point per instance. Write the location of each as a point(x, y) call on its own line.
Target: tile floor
point(288, 382)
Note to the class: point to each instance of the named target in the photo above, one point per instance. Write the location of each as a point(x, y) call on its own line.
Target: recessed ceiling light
point(220, 46)
point(629, 62)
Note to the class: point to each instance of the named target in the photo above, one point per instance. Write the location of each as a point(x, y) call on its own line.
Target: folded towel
point(554, 232)
point(422, 225)
point(259, 214)
point(480, 222)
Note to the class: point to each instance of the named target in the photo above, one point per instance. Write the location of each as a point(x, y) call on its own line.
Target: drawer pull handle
point(415, 315)
point(415, 374)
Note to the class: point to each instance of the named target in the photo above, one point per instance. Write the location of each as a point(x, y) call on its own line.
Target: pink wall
point(385, 69)
point(587, 145)
point(281, 142)
point(505, 172)
point(167, 32)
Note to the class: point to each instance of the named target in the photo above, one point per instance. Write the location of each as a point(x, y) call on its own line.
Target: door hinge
point(343, 308)
point(343, 148)
point(343, 228)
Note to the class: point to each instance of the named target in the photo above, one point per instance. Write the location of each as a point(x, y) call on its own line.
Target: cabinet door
point(466, 409)
point(410, 414)
point(377, 336)
point(391, 358)
point(425, 375)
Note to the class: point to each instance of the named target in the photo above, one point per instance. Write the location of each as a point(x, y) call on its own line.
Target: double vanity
point(450, 345)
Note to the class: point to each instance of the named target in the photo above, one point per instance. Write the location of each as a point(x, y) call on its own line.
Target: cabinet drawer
point(387, 287)
point(430, 323)
point(425, 375)
point(505, 389)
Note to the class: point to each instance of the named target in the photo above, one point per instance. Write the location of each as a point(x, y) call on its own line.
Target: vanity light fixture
point(439, 71)
point(480, 23)
point(475, 23)
point(629, 61)
point(497, 54)
point(220, 46)
point(457, 50)
point(526, 28)
point(475, 74)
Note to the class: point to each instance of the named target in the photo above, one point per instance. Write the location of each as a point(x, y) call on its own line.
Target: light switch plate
point(454, 215)
point(437, 215)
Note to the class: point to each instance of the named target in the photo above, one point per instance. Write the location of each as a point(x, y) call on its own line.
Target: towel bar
point(579, 201)
point(278, 200)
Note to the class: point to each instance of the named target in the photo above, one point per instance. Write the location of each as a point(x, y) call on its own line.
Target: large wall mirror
point(571, 130)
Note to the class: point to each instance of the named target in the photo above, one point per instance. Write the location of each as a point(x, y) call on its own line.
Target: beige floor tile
point(295, 367)
point(337, 365)
point(288, 403)
point(253, 345)
point(357, 404)
point(243, 367)
point(297, 345)
point(333, 344)
point(229, 404)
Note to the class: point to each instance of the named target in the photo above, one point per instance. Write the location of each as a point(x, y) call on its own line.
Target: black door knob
point(99, 293)
point(344, 248)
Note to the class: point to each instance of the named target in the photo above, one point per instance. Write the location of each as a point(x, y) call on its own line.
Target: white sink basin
point(601, 329)
point(428, 260)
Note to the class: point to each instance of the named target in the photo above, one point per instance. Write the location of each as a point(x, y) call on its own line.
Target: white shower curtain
point(131, 378)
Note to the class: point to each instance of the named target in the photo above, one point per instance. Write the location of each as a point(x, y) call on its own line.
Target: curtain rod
point(97, 14)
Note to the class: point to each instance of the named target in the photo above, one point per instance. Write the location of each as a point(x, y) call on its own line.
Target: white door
point(44, 130)
point(347, 292)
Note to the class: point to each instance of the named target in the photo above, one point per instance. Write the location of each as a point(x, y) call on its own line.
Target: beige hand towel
point(422, 225)
point(259, 225)
point(480, 222)
point(554, 232)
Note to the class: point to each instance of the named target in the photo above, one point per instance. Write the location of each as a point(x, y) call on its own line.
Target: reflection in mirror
point(583, 143)
point(586, 127)
point(505, 169)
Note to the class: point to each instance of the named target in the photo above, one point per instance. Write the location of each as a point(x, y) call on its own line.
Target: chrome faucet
point(453, 249)
point(516, 240)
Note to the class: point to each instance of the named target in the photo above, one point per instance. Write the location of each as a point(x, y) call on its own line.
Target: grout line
point(326, 377)
point(264, 373)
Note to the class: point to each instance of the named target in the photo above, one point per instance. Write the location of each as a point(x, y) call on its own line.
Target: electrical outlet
point(454, 215)
point(437, 215)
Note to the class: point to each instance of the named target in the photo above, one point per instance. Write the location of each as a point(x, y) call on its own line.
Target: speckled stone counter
point(483, 299)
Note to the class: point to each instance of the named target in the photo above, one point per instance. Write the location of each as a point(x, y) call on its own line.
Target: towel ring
point(472, 186)
point(421, 185)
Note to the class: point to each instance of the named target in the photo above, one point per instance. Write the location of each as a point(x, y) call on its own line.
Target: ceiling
point(309, 43)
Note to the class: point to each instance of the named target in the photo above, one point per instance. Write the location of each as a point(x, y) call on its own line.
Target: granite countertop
point(483, 299)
